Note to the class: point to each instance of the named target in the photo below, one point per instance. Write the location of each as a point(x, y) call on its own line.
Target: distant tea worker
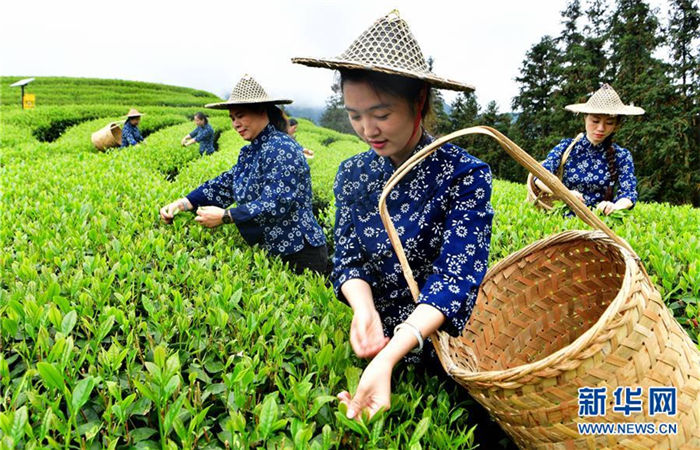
point(292, 125)
point(596, 169)
point(131, 135)
point(203, 133)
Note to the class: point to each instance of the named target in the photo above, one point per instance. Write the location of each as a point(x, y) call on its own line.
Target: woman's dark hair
point(403, 87)
point(275, 115)
point(293, 121)
point(610, 158)
point(201, 116)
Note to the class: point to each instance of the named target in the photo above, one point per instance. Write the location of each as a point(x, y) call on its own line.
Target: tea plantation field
point(118, 331)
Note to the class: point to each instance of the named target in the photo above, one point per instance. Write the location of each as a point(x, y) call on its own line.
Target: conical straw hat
point(605, 101)
point(247, 91)
point(134, 113)
point(387, 46)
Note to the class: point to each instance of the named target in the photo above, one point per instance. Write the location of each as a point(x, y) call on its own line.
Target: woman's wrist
point(184, 204)
point(358, 293)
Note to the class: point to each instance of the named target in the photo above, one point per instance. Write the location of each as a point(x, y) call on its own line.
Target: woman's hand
point(210, 216)
point(578, 195)
point(168, 211)
point(366, 333)
point(606, 207)
point(373, 391)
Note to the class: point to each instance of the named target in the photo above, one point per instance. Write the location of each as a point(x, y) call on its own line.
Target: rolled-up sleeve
point(193, 134)
point(349, 261)
point(457, 272)
point(627, 182)
point(215, 192)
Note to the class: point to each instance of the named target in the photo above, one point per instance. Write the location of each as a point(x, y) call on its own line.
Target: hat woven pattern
point(605, 101)
point(247, 89)
point(388, 43)
point(388, 46)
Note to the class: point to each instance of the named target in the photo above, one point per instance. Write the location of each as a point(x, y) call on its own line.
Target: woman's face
point(248, 122)
point(382, 120)
point(599, 127)
point(199, 122)
point(135, 120)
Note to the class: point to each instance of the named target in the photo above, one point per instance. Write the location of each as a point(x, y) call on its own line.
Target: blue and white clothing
point(586, 170)
point(442, 212)
point(271, 185)
point(205, 136)
point(130, 135)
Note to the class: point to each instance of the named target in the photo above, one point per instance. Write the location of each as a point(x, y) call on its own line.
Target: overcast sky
point(210, 44)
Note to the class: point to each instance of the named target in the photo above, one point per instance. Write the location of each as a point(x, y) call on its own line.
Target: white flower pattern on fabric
point(446, 232)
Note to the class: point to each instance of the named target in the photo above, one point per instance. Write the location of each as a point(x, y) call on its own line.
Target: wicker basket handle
point(518, 154)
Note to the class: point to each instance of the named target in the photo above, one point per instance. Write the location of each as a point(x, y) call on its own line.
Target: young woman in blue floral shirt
point(441, 210)
point(598, 171)
point(270, 184)
point(131, 135)
point(203, 133)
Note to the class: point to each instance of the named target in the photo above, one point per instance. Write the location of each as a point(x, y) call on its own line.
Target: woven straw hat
point(387, 46)
point(133, 113)
point(605, 101)
point(247, 91)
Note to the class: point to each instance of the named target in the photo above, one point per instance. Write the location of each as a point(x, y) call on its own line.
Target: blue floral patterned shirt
point(442, 213)
point(271, 184)
point(586, 170)
point(205, 136)
point(130, 135)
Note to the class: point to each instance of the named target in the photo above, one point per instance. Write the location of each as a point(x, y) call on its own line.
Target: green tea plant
point(119, 331)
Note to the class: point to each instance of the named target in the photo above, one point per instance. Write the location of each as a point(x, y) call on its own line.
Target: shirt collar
point(263, 136)
point(588, 144)
point(425, 140)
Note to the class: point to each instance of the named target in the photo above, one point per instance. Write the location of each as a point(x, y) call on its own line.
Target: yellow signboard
point(29, 101)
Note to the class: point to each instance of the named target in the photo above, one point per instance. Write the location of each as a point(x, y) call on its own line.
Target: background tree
point(539, 79)
point(334, 116)
point(683, 41)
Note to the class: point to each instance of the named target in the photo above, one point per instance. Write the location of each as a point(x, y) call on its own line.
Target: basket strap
point(519, 155)
point(565, 156)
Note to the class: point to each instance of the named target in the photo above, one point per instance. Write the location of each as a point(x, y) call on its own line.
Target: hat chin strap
point(418, 119)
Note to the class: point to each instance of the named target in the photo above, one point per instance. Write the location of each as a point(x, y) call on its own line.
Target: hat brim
point(134, 115)
point(336, 64)
point(229, 104)
point(625, 110)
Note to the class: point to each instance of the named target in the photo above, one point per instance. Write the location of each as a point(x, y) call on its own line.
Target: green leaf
point(141, 434)
point(18, 423)
point(420, 430)
point(68, 322)
point(173, 412)
point(268, 416)
point(81, 393)
point(53, 379)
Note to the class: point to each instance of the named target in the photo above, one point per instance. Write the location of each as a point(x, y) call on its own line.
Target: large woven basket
point(107, 137)
point(574, 310)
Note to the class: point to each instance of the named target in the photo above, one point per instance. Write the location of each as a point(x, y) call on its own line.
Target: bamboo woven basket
point(576, 309)
point(537, 196)
point(107, 137)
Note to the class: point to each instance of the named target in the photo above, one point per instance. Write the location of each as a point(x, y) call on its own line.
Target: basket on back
point(571, 311)
point(107, 137)
point(537, 196)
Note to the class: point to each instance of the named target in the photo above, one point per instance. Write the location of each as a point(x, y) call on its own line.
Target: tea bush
point(118, 331)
